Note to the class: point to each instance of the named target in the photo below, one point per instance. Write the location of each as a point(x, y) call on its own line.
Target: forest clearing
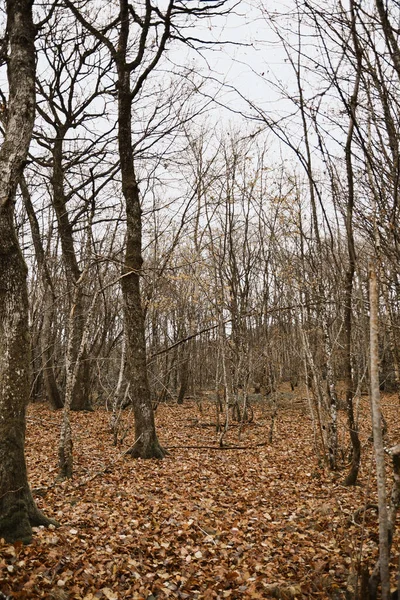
point(264, 522)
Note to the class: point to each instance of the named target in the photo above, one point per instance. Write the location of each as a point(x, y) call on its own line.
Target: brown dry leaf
point(199, 524)
point(109, 594)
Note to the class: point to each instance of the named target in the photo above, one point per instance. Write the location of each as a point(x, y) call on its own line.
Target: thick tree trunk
point(146, 443)
point(15, 377)
point(17, 508)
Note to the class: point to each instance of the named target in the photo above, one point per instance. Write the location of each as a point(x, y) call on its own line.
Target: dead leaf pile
point(264, 522)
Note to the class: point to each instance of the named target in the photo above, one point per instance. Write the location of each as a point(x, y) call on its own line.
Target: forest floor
point(265, 520)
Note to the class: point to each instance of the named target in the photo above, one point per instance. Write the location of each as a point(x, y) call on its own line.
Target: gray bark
point(17, 508)
point(351, 478)
point(378, 444)
point(146, 441)
point(49, 298)
point(80, 393)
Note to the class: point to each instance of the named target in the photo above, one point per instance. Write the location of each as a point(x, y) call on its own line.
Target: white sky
point(251, 57)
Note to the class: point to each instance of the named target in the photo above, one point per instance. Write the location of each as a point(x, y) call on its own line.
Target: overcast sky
point(251, 60)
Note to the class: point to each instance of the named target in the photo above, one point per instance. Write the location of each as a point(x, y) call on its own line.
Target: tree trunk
point(47, 342)
point(146, 443)
point(18, 511)
point(81, 391)
point(392, 340)
point(116, 403)
point(73, 364)
point(46, 334)
point(184, 377)
point(384, 538)
point(352, 476)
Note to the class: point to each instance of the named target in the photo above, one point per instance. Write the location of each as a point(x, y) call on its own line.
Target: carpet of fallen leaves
point(259, 521)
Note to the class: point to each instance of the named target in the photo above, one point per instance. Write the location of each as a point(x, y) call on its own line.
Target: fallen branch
point(360, 511)
point(218, 447)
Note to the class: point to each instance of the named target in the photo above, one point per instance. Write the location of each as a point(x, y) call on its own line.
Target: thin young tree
point(384, 541)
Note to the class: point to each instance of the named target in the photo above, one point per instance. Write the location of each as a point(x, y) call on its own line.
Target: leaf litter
point(265, 522)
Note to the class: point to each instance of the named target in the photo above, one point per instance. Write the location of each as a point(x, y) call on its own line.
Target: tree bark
point(384, 538)
point(46, 333)
point(81, 391)
point(146, 442)
point(351, 478)
point(184, 377)
point(18, 511)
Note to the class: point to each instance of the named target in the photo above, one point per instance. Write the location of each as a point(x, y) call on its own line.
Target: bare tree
point(383, 563)
point(72, 161)
point(141, 40)
point(18, 511)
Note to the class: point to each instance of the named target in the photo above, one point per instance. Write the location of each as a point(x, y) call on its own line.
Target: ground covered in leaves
point(262, 520)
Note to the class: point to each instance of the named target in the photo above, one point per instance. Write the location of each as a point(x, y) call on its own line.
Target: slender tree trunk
point(329, 394)
point(81, 391)
point(116, 403)
point(18, 511)
point(392, 340)
point(225, 379)
point(46, 336)
point(65, 447)
point(332, 408)
point(184, 375)
point(73, 363)
point(47, 348)
point(378, 445)
point(352, 476)
point(316, 386)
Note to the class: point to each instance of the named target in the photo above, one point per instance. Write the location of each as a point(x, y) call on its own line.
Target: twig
point(218, 447)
